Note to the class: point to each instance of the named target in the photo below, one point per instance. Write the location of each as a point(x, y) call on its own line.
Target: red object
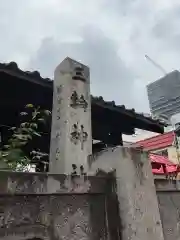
point(157, 142)
point(169, 169)
point(163, 166)
point(166, 166)
point(160, 159)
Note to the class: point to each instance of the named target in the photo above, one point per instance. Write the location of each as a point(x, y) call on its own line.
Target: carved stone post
point(71, 140)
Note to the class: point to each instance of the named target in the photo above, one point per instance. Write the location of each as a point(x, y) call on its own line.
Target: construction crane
point(155, 64)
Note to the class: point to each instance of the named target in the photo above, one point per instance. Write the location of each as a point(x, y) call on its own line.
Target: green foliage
point(18, 154)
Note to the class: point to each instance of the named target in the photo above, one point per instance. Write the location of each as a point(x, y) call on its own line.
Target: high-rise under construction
point(164, 95)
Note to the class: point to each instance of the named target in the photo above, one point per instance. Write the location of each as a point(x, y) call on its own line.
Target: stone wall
point(54, 207)
point(142, 204)
point(168, 193)
point(138, 204)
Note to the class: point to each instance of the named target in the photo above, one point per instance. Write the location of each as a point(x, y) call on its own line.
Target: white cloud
point(112, 37)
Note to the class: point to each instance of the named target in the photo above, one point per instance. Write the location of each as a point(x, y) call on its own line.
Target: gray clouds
point(109, 75)
point(111, 37)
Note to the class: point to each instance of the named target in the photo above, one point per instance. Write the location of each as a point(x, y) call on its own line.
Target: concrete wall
point(60, 207)
point(173, 154)
point(54, 207)
point(135, 190)
point(168, 193)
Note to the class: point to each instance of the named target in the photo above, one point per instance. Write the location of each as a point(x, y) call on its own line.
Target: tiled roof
point(13, 69)
point(129, 112)
point(157, 142)
point(34, 76)
point(161, 160)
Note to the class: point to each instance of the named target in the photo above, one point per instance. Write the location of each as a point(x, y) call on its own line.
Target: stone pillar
point(71, 140)
point(138, 204)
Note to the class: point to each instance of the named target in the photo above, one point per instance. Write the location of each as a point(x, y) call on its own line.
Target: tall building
point(164, 95)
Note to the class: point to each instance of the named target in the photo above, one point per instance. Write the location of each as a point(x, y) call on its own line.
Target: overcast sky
point(111, 36)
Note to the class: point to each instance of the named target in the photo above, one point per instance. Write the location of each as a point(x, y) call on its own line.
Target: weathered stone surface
point(138, 205)
point(71, 137)
point(52, 217)
point(38, 183)
point(52, 207)
point(24, 216)
point(167, 185)
point(169, 205)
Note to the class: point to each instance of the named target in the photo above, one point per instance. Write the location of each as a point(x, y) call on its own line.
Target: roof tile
point(157, 142)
